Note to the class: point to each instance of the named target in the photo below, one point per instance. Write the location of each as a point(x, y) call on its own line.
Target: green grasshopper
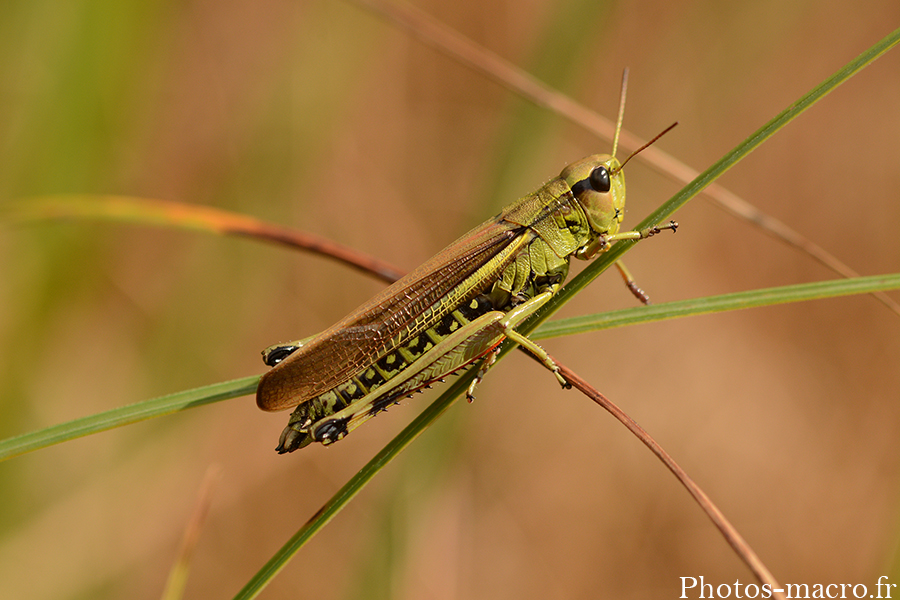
point(453, 310)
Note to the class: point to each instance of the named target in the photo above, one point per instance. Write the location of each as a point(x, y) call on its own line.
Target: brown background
point(318, 115)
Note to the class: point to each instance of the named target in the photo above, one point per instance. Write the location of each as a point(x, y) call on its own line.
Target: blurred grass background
point(319, 115)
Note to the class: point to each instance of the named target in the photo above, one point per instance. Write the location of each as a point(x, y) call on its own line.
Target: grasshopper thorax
point(598, 184)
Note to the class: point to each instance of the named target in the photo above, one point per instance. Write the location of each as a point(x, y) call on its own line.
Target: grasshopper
point(453, 310)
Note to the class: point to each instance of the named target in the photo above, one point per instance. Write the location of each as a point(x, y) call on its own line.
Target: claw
point(562, 380)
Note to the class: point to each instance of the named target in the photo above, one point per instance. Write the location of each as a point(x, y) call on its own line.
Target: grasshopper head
point(598, 184)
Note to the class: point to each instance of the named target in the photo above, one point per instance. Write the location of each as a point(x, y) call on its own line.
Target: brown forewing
point(341, 351)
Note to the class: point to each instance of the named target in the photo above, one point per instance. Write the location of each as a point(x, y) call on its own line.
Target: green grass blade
point(714, 304)
point(126, 415)
point(171, 403)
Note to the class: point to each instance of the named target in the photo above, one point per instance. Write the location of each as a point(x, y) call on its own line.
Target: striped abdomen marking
point(383, 370)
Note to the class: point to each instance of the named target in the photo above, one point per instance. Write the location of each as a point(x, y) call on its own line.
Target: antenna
point(621, 110)
point(656, 137)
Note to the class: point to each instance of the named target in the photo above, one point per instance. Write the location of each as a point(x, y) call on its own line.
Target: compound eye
point(599, 180)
